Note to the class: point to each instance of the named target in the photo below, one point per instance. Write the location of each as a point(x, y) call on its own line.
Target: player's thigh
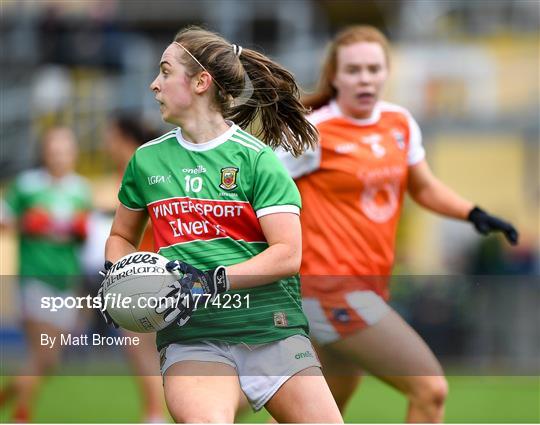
point(43, 356)
point(390, 348)
point(59, 316)
point(342, 374)
point(198, 391)
point(304, 397)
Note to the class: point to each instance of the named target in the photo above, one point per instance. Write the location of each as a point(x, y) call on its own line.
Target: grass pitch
point(472, 399)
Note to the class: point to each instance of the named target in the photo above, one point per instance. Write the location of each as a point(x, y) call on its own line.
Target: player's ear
point(202, 82)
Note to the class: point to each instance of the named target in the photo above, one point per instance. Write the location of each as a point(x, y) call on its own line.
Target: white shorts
point(335, 316)
point(32, 292)
point(262, 369)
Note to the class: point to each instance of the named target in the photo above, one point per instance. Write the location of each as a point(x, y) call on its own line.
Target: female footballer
point(222, 205)
point(48, 207)
point(352, 185)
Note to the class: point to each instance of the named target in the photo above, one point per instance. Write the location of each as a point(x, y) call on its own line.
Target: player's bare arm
point(429, 192)
point(281, 259)
point(125, 234)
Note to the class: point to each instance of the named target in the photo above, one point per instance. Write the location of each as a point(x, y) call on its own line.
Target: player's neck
point(201, 128)
point(355, 114)
point(57, 175)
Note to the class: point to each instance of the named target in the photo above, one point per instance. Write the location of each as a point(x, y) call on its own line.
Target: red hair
point(325, 90)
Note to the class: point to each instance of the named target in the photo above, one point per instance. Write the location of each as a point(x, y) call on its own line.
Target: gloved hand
point(179, 295)
point(36, 221)
point(176, 301)
point(103, 311)
point(79, 225)
point(486, 223)
point(212, 282)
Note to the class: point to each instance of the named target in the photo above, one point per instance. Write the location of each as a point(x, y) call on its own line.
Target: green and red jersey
point(205, 201)
point(51, 217)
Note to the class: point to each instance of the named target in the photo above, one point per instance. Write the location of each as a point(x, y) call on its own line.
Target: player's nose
point(364, 78)
point(154, 86)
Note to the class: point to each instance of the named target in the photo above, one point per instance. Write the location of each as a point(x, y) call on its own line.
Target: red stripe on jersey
point(184, 219)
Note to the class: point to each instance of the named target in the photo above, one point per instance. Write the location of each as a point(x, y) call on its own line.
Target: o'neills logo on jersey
point(199, 170)
point(228, 178)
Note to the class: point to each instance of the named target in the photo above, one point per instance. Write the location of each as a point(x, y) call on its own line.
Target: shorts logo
point(299, 356)
point(280, 320)
point(228, 178)
point(341, 315)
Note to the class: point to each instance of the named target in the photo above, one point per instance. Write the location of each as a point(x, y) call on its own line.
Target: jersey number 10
point(193, 184)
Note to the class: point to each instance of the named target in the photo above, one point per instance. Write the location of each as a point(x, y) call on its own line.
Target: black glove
point(212, 282)
point(178, 296)
point(486, 223)
point(106, 316)
point(176, 301)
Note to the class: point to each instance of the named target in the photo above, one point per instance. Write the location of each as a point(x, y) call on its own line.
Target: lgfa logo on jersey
point(228, 178)
point(159, 179)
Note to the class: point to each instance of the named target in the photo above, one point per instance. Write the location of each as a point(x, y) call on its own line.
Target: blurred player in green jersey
point(48, 207)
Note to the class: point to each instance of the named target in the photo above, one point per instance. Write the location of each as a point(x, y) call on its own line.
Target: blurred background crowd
point(467, 70)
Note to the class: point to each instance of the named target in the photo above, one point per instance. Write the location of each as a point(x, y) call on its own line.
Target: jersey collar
point(373, 119)
point(48, 180)
point(206, 146)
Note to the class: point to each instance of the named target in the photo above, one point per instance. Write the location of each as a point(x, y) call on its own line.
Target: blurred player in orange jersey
point(352, 189)
point(123, 136)
point(48, 207)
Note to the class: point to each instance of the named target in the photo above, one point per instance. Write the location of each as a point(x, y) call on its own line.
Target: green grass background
point(472, 399)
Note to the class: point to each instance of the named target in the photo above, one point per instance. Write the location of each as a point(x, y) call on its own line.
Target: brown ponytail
point(274, 103)
point(350, 35)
